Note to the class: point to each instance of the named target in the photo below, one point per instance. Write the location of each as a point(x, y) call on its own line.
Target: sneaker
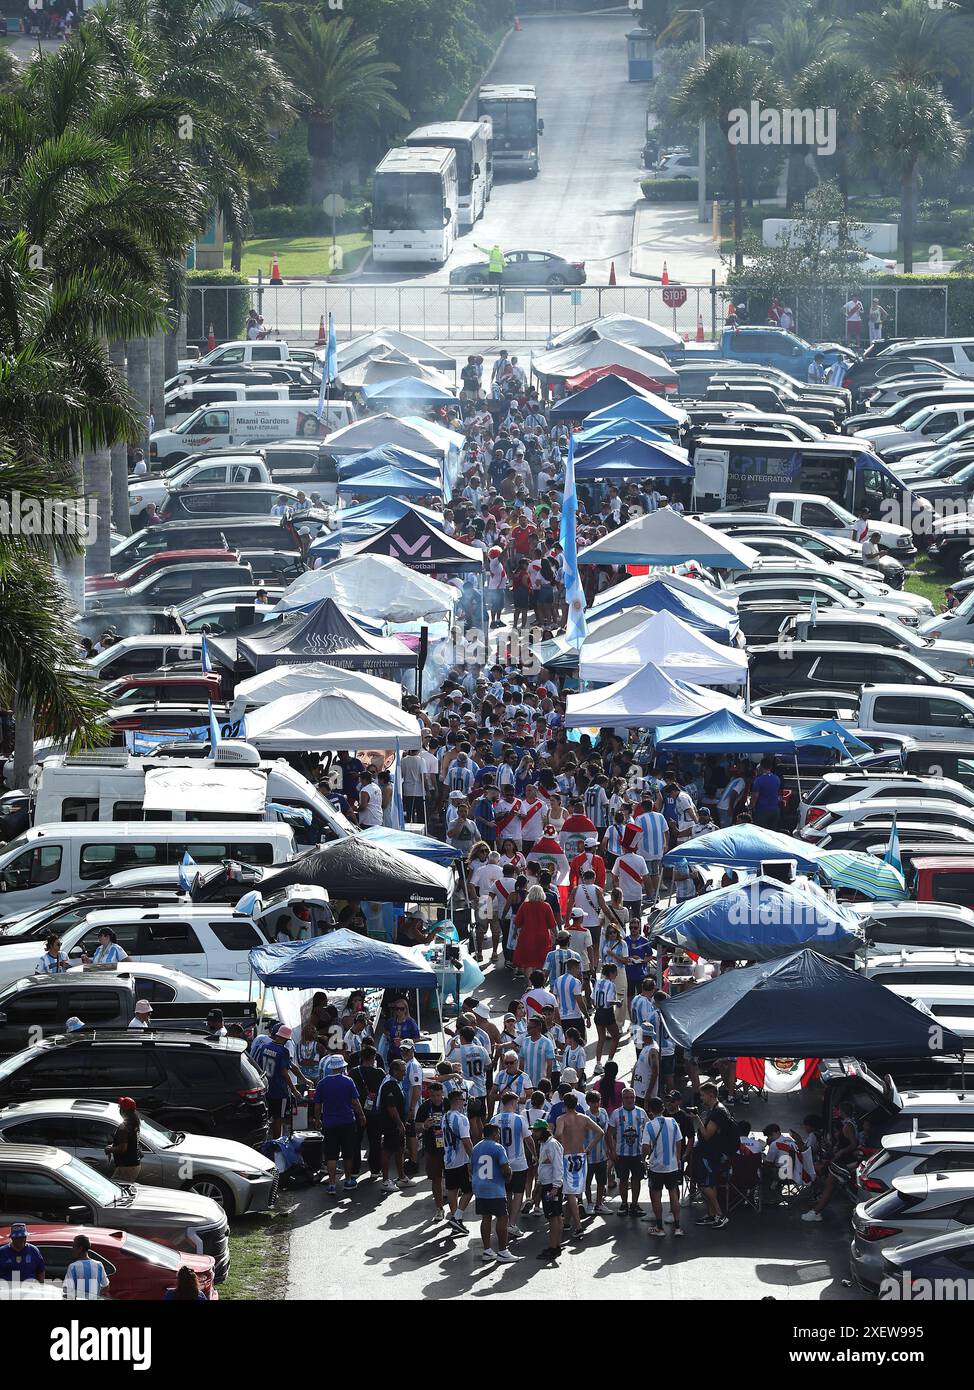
point(456, 1224)
point(506, 1257)
point(811, 1216)
point(548, 1253)
point(635, 1211)
point(488, 1255)
point(624, 1209)
point(576, 1234)
point(599, 1209)
point(388, 1185)
point(406, 1182)
point(719, 1222)
point(514, 1233)
point(678, 1231)
point(332, 1190)
point(349, 1184)
point(704, 1221)
point(656, 1231)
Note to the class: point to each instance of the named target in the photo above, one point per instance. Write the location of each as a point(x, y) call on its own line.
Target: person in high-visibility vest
point(495, 262)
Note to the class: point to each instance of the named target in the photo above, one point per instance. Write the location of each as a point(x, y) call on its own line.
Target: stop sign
point(674, 296)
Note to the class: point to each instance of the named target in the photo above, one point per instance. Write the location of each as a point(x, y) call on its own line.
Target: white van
point(928, 712)
point(183, 400)
point(223, 426)
point(112, 785)
point(64, 857)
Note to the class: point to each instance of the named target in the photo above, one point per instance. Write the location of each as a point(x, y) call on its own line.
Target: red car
point(100, 583)
point(137, 1269)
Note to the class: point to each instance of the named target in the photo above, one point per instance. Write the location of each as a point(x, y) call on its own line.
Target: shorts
point(660, 1181)
point(277, 1107)
point(629, 1169)
point(577, 1023)
point(495, 600)
point(491, 1206)
point(575, 1170)
point(476, 1107)
point(393, 1140)
point(341, 1141)
point(545, 594)
point(705, 1169)
point(605, 1018)
point(552, 1200)
point(516, 1181)
point(667, 1064)
point(598, 1171)
point(458, 1179)
point(410, 1129)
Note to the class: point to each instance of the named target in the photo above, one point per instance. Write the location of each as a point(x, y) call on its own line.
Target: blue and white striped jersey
point(613, 839)
point(513, 1128)
point(568, 990)
point(644, 1013)
point(598, 1153)
point(660, 1138)
point(474, 1066)
point(651, 840)
point(627, 1131)
point(534, 1053)
point(85, 1279)
point(456, 1127)
point(604, 994)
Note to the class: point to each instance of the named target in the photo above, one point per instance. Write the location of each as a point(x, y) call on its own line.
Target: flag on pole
point(813, 611)
point(577, 627)
point(398, 811)
point(214, 728)
point(205, 657)
point(330, 369)
point(892, 855)
point(186, 874)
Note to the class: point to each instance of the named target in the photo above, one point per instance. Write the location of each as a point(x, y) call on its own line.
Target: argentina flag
point(577, 627)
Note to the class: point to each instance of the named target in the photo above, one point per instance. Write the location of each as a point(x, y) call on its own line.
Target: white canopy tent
point(338, 719)
point(315, 678)
point(383, 340)
point(621, 328)
point(615, 625)
point(666, 537)
point(206, 790)
point(377, 585)
point(391, 366)
point(581, 357)
point(668, 644)
point(382, 431)
point(645, 700)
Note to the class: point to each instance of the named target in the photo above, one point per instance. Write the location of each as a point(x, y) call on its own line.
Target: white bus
point(415, 206)
point(513, 112)
point(471, 142)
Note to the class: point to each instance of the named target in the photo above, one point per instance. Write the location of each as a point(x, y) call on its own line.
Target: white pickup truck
point(931, 713)
point(255, 354)
point(820, 513)
point(238, 468)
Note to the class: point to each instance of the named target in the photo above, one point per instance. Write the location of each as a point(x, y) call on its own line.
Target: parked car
point(40, 1183)
point(929, 1205)
point(939, 1269)
point(524, 268)
point(235, 1176)
point(910, 1153)
point(137, 1269)
point(895, 926)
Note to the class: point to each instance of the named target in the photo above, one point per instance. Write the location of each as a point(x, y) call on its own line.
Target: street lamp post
point(702, 214)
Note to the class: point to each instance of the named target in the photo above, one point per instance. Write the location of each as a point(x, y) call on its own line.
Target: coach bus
point(513, 111)
point(415, 206)
point(471, 143)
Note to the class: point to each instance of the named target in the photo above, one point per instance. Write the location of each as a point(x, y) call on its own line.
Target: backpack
point(727, 1137)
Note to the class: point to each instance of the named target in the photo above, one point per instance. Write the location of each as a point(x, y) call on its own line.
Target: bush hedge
point(212, 298)
point(286, 221)
point(669, 190)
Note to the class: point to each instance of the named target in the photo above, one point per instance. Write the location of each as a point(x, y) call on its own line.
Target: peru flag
point(777, 1075)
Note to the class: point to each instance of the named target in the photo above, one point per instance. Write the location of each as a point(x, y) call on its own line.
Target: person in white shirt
point(143, 1011)
point(870, 548)
point(631, 873)
point(369, 801)
point(729, 797)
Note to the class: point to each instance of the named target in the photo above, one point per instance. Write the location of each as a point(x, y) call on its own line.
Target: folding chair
point(742, 1182)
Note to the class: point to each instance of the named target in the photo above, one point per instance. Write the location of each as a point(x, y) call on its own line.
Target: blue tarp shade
point(637, 406)
point(654, 593)
point(389, 456)
point(406, 388)
point(801, 1006)
point(383, 511)
point(726, 732)
point(612, 429)
point(828, 733)
point(759, 919)
point(743, 846)
point(386, 480)
point(629, 457)
point(420, 846)
point(608, 390)
point(341, 959)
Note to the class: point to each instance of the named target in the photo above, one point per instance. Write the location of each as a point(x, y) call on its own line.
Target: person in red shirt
point(523, 538)
point(587, 859)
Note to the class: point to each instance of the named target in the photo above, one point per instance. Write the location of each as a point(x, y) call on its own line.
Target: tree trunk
point(119, 455)
point(157, 378)
point(735, 172)
point(98, 495)
point(843, 163)
point(906, 220)
point(236, 253)
point(138, 369)
point(23, 744)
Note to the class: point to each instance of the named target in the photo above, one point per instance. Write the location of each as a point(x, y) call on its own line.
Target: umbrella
point(863, 873)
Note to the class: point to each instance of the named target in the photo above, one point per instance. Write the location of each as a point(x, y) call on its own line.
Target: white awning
point(206, 790)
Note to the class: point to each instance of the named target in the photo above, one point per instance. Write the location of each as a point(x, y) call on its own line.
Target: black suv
point(180, 1080)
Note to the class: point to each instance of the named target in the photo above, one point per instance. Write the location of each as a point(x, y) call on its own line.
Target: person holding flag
point(576, 625)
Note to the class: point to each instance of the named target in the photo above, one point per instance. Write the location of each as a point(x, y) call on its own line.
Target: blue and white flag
point(214, 727)
point(892, 855)
point(577, 627)
point(330, 369)
point(301, 813)
point(188, 869)
point(205, 662)
point(813, 611)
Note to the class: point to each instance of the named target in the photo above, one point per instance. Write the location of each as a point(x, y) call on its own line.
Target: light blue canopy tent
point(829, 733)
point(340, 959)
point(612, 429)
point(406, 388)
point(630, 457)
point(383, 511)
point(760, 919)
point(648, 410)
point(605, 392)
point(391, 456)
point(744, 847)
point(421, 846)
point(386, 480)
point(653, 592)
point(725, 731)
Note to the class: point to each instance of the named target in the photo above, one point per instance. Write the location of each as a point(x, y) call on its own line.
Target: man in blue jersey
point(569, 991)
point(519, 1147)
point(625, 1136)
point(537, 1052)
point(643, 1012)
point(20, 1261)
point(86, 1276)
point(489, 1173)
point(663, 1152)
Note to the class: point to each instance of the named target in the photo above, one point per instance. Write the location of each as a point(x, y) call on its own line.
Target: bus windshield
point(514, 121)
point(408, 202)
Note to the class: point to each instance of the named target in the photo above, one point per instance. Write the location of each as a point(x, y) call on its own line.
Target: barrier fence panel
point(442, 313)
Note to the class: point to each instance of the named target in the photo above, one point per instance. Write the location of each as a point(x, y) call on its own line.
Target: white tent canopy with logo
point(314, 678)
point(315, 723)
point(668, 644)
point(377, 585)
point(645, 700)
point(666, 537)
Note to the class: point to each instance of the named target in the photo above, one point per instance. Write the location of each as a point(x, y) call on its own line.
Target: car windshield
point(914, 422)
point(156, 1136)
point(150, 1251)
point(20, 926)
point(91, 1184)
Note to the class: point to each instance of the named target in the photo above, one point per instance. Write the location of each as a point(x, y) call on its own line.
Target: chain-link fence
point(441, 313)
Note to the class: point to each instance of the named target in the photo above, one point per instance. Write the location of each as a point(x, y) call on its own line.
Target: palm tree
point(913, 128)
point(795, 42)
point(728, 21)
point(728, 80)
point(911, 41)
point(338, 76)
point(843, 83)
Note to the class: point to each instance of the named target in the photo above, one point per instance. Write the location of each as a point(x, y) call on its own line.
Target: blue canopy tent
point(829, 733)
point(611, 429)
point(801, 1006)
point(420, 465)
point(724, 731)
point(629, 457)
point(607, 391)
point(420, 846)
point(383, 511)
point(653, 592)
point(744, 847)
point(340, 959)
point(386, 480)
point(759, 919)
point(406, 388)
point(636, 406)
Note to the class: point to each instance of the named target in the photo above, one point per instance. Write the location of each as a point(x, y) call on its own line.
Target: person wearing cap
point(215, 1028)
point(124, 1148)
point(20, 1260)
point(338, 1111)
point(108, 951)
point(588, 858)
point(283, 1079)
point(74, 1024)
point(143, 1012)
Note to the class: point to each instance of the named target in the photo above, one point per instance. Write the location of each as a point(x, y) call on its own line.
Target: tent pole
point(798, 776)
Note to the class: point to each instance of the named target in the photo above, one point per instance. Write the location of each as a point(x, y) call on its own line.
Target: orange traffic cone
point(517, 25)
point(700, 328)
point(276, 277)
point(664, 279)
point(322, 335)
point(612, 273)
point(210, 340)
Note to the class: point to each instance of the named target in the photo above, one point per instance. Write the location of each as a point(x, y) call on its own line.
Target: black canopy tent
point(365, 870)
point(416, 542)
point(803, 1005)
point(324, 634)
